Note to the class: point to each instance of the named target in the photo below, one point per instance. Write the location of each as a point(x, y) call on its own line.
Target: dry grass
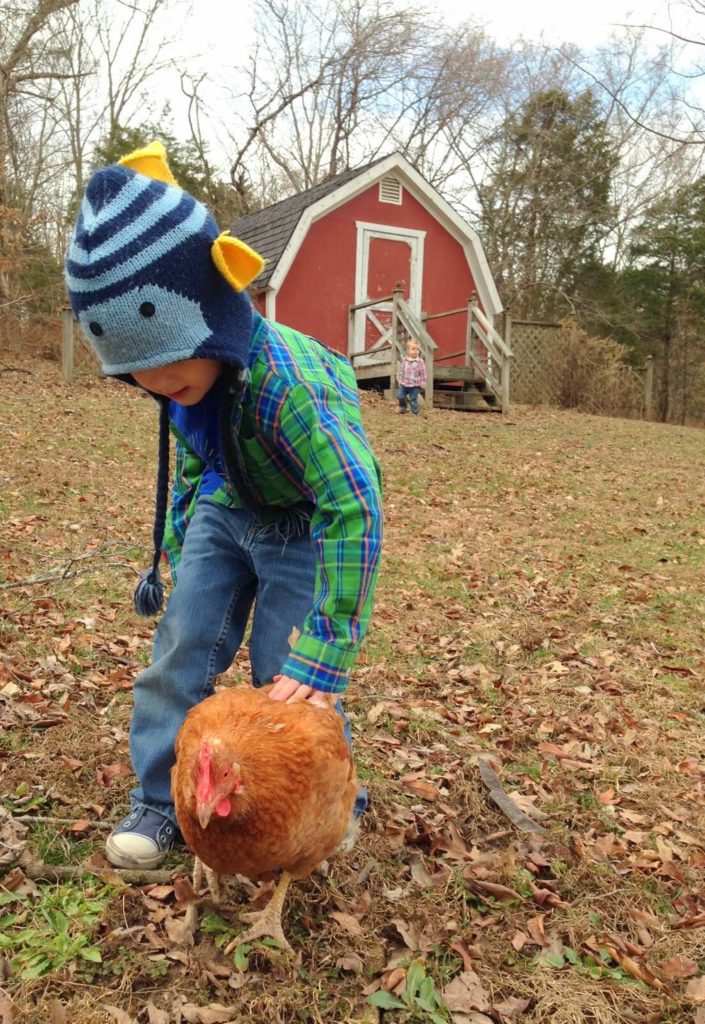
point(540, 601)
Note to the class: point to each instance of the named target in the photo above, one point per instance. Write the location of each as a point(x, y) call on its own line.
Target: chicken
point(261, 785)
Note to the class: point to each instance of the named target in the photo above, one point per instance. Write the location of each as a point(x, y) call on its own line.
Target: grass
point(540, 600)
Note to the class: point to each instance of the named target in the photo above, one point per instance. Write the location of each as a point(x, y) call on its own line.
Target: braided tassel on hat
point(149, 593)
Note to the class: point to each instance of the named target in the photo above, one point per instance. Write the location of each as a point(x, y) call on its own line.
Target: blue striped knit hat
point(152, 281)
point(150, 278)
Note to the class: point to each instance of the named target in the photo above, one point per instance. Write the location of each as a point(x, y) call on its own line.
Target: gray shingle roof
point(268, 231)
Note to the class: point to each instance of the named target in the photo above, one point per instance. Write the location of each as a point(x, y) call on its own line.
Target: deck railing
point(412, 325)
point(489, 353)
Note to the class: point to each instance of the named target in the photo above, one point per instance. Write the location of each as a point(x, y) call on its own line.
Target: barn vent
point(390, 191)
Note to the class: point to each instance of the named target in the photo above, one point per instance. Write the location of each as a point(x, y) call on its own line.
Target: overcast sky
point(586, 23)
point(222, 35)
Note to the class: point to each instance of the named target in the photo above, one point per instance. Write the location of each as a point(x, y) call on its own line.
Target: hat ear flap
point(237, 263)
point(150, 161)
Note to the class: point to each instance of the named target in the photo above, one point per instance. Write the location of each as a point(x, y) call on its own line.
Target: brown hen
point(261, 785)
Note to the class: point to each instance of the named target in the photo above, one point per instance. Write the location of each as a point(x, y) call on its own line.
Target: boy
point(412, 377)
point(276, 497)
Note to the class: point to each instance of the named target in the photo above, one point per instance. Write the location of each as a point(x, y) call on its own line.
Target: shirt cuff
point(320, 665)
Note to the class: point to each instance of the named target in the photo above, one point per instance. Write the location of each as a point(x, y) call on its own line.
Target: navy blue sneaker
point(142, 839)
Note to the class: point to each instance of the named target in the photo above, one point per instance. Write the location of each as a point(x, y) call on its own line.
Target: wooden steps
point(472, 400)
point(481, 383)
point(465, 401)
point(373, 371)
point(466, 374)
point(455, 387)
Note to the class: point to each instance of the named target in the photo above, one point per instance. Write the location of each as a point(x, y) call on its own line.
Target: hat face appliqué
point(129, 331)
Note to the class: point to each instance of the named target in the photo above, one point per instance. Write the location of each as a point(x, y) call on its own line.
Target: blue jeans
point(412, 394)
point(229, 563)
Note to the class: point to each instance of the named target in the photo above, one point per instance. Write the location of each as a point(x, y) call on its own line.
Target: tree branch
point(622, 105)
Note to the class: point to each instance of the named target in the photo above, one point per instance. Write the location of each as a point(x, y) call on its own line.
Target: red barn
point(371, 256)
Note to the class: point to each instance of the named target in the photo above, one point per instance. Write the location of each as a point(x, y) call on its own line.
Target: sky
point(586, 24)
point(223, 35)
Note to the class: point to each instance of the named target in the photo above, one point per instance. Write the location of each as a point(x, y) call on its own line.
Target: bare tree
point(323, 78)
point(118, 51)
point(454, 99)
point(677, 47)
point(31, 65)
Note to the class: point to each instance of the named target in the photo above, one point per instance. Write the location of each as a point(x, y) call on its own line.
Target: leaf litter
point(539, 611)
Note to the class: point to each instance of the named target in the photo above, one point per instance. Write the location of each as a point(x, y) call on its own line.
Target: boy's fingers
point(290, 691)
point(301, 693)
point(283, 688)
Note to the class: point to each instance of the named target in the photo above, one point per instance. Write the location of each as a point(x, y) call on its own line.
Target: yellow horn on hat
point(238, 264)
point(150, 161)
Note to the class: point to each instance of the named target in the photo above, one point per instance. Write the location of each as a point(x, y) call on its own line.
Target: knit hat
point(152, 281)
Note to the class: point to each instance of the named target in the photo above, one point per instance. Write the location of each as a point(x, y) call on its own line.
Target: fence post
point(507, 328)
point(506, 360)
point(428, 359)
point(67, 344)
point(649, 387)
point(472, 303)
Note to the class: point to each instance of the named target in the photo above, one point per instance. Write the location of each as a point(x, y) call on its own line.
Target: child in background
point(276, 500)
point(412, 377)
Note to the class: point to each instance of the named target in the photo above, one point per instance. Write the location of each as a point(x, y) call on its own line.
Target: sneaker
point(141, 840)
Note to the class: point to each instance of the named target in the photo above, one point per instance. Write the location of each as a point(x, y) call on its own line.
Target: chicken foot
point(266, 923)
point(213, 883)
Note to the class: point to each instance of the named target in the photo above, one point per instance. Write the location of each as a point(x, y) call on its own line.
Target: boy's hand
point(290, 690)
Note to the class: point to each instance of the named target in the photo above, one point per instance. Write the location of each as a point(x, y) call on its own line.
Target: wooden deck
point(454, 387)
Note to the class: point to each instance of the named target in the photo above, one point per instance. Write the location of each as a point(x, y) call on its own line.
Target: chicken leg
point(266, 923)
point(213, 882)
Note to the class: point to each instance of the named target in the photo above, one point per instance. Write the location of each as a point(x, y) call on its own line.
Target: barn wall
point(320, 284)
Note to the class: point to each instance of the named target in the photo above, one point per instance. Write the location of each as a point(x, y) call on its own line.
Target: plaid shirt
point(302, 440)
point(413, 373)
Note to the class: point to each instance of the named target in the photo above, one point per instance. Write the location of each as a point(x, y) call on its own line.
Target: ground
point(540, 613)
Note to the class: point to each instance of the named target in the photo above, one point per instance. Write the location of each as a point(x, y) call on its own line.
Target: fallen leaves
point(677, 968)
point(426, 790)
point(465, 993)
point(180, 1013)
point(347, 922)
point(13, 838)
point(521, 620)
point(695, 990)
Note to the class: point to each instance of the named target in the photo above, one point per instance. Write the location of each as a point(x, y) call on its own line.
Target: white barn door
point(386, 257)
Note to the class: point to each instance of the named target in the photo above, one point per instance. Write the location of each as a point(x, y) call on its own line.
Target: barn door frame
point(366, 232)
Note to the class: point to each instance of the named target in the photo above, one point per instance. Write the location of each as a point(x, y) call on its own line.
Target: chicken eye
point(95, 328)
point(148, 309)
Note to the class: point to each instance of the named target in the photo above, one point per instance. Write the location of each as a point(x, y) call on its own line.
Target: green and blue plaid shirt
point(302, 440)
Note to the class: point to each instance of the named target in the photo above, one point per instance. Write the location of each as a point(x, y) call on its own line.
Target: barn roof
point(278, 231)
point(268, 231)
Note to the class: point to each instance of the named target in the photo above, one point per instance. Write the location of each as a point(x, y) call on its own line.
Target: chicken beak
point(204, 814)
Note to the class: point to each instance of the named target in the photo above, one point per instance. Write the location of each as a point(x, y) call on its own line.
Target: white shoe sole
point(121, 859)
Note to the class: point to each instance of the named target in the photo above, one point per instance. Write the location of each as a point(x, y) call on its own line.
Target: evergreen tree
point(188, 166)
point(546, 200)
point(666, 285)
